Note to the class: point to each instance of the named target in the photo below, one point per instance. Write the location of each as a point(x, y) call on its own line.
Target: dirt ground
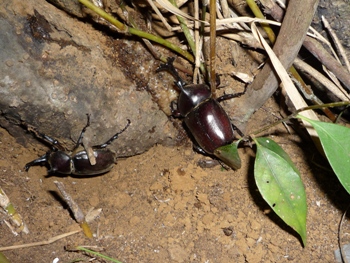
point(162, 207)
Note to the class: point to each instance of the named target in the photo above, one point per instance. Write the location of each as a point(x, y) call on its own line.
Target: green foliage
point(136, 32)
point(335, 140)
point(3, 259)
point(98, 254)
point(279, 183)
point(229, 155)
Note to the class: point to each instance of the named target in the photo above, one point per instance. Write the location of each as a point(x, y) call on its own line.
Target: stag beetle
point(77, 162)
point(205, 119)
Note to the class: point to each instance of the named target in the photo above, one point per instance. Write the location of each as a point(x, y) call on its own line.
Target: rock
point(56, 69)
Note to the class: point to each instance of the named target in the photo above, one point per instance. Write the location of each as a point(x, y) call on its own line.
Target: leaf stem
point(294, 114)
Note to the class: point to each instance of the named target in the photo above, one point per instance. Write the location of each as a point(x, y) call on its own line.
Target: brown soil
point(162, 207)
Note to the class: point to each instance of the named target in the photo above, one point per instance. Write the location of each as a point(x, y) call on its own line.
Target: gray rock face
point(54, 72)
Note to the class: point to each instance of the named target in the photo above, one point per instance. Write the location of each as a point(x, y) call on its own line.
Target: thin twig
point(342, 254)
point(212, 45)
point(74, 207)
point(41, 243)
point(340, 93)
point(313, 107)
point(336, 42)
point(198, 41)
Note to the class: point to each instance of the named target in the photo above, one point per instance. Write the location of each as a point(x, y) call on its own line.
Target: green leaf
point(229, 155)
point(335, 140)
point(279, 183)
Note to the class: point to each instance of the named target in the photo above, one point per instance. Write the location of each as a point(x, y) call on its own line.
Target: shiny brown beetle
point(77, 162)
point(206, 120)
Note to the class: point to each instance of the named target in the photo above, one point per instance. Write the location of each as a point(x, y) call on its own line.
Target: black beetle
point(77, 162)
point(205, 119)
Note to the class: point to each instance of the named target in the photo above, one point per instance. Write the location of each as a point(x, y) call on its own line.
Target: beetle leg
point(53, 142)
point(235, 128)
point(197, 148)
point(213, 162)
point(231, 96)
point(179, 82)
point(115, 136)
point(42, 159)
point(217, 80)
point(174, 111)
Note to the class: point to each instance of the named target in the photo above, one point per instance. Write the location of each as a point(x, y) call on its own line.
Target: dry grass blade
point(291, 90)
point(219, 22)
point(156, 10)
point(199, 42)
point(314, 34)
point(17, 224)
point(340, 93)
point(336, 42)
point(172, 9)
point(40, 243)
point(340, 235)
point(136, 32)
point(311, 43)
point(212, 45)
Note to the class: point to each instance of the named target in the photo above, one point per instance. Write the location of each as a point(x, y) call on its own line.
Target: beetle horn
point(169, 66)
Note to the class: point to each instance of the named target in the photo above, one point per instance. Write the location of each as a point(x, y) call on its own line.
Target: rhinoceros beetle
point(205, 119)
point(77, 162)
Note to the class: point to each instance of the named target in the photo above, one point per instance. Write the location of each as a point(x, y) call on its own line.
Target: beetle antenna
point(115, 136)
point(169, 66)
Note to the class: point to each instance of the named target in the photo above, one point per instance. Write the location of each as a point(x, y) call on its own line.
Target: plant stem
point(14, 216)
point(212, 45)
point(294, 114)
point(97, 254)
point(256, 11)
point(188, 36)
point(137, 32)
point(272, 37)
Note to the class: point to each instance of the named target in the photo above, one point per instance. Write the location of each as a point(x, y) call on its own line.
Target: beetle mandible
point(77, 162)
point(205, 119)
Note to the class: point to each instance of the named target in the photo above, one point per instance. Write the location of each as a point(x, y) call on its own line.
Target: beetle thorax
point(192, 96)
point(60, 162)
